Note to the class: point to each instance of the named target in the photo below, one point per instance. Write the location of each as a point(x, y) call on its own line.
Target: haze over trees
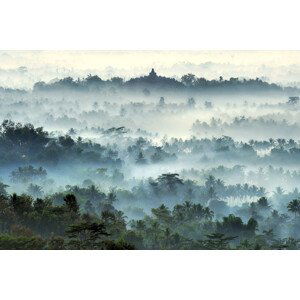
point(150, 162)
point(152, 81)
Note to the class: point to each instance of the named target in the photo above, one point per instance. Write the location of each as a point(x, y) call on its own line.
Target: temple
point(152, 74)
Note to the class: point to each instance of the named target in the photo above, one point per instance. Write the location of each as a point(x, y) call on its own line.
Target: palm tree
point(170, 181)
point(278, 192)
point(162, 214)
point(208, 214)
point(3, 187)
point(294, 206)
point(218, 241)
point(155, 231)
point(35, 190)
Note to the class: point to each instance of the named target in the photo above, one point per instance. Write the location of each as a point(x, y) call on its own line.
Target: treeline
point(26, 223)
point(226, 148)
point(151, 82)
point(255, 127)
point(23, 144)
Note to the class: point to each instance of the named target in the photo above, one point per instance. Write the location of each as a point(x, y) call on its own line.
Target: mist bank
point(153, 83)
point(150, 163)
point(21, 69)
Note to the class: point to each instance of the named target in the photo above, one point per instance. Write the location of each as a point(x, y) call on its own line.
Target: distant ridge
point(154, 82)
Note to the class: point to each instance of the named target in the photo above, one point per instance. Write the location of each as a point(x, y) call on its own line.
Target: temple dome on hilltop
point(152, 73)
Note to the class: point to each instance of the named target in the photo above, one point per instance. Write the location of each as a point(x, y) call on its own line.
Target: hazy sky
point(127, 59)
point(277, 66)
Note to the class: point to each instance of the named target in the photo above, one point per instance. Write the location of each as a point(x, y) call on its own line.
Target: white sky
point(281, 67)
point(128, 59)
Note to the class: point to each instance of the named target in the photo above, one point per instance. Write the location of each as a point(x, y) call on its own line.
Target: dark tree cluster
point(152, 81)
point(26, 223)
point(25, 144)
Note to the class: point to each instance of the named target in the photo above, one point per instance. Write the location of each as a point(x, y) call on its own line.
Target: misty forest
point(150, 162)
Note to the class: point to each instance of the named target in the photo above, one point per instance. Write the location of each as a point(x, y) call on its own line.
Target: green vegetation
point(26, 223)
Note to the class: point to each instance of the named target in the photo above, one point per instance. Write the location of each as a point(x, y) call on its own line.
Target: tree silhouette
point(170, 181)
point(87, 235)
point(71, 203)
point(3, 188)
point(294, 207)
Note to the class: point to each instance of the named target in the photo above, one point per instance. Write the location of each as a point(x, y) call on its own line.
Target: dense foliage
point(150, 163)
point(26, 223)
point(188, 82)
